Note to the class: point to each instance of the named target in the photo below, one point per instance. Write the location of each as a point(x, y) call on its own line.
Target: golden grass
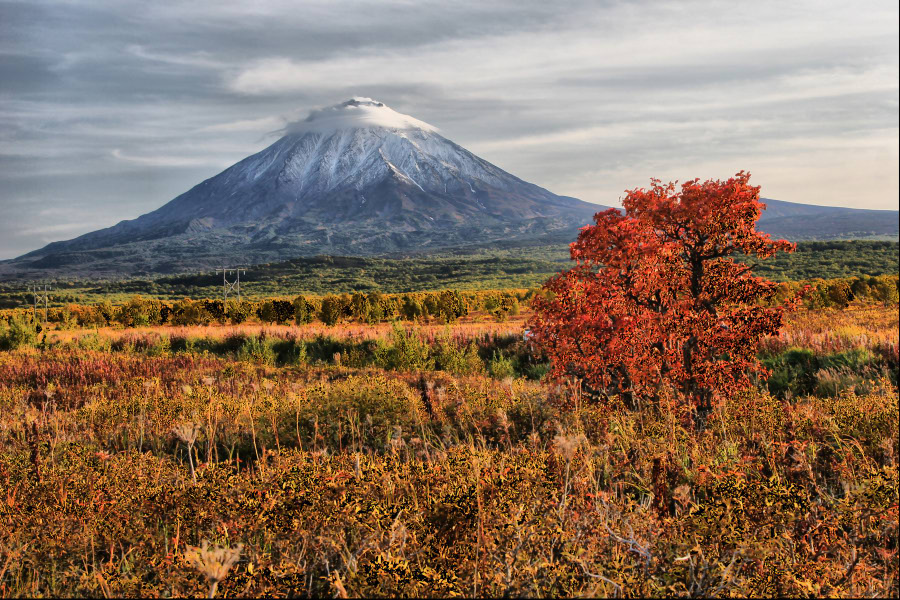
point(117, 468)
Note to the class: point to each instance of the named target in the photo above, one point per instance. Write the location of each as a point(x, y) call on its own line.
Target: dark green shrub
point(275, 311)
point(792, 372)
point(332, 311)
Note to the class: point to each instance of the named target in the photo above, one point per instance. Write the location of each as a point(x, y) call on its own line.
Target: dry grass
point(339, 481)
point(473, 326)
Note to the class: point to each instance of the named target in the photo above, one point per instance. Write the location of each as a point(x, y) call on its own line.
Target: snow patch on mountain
point(357, 113)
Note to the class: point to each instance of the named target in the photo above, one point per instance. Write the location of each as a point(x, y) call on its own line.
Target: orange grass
point(359, 482)
point(825, 330)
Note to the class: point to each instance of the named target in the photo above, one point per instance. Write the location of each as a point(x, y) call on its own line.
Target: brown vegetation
point(367, 480)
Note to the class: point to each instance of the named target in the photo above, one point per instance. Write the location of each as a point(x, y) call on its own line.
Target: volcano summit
point(355, 178)
point(359, 178)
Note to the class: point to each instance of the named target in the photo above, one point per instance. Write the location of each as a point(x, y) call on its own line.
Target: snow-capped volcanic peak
point(357, 177)
point(357, 113)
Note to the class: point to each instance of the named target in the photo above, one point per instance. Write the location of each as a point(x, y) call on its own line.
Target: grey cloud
point(116, 106)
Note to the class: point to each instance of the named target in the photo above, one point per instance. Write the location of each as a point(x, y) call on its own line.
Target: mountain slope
point(810, 222)
point(361, 179)
point(354, 179)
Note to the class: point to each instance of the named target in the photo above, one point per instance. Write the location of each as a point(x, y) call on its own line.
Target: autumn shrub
point(17, 333)
point(257, 348)
point(406, 351)
point(501, 366)
point(369, 407)
point(457, 357)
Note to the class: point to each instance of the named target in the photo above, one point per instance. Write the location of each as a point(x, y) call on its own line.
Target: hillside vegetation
point(521, 267)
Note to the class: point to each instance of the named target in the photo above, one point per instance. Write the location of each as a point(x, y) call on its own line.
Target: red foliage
point(655, 300)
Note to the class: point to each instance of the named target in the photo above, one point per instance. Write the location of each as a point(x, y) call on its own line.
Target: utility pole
point(40, 295)
point(229, 287)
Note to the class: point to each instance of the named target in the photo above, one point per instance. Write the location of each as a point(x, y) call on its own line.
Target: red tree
point(655, 300)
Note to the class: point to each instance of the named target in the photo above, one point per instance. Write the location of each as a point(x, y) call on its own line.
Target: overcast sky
point(110, 108)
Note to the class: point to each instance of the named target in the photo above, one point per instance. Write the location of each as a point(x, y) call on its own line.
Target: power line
point(229, 287)
point(40, 295)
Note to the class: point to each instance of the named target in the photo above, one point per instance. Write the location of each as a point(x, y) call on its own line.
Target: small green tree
point(304, 310)
point(17, 333)
point(412, 308)
point(360, 306)
point(838, 293)
point(238, 311)
point(452, 305)
point(332, 310)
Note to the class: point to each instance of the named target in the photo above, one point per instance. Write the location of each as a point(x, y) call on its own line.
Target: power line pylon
point(231, 287)
point(40, 295)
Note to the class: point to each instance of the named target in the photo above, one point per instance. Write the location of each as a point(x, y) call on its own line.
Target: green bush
point(537, 371)
point(238, 311)
point(275, 311)
point(885, 290)
point(188, 312)
point(501, 367)
point(452, 306)
point(412, 308)
point(257, 349)
point(332, 311)
point(95, 341)
point(792, 371)
point(455, 358)
point(158, 346)
point(304, 310)
point(801, 372)
point(17, 333)
point(406, 352)
point(290, 352)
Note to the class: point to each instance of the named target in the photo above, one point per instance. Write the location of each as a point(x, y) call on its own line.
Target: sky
point(111, 108)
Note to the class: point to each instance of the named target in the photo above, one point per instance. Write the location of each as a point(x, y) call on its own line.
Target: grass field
point(430, 461)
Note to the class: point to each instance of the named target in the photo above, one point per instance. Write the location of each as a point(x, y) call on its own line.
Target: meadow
point(428, 458)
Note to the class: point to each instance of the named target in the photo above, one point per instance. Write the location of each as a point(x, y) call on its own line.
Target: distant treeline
point(374, 307)
point(832, 260)
point(524, 267)
point(446, 306)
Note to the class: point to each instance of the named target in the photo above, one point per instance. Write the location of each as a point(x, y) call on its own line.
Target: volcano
point(357, 178)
